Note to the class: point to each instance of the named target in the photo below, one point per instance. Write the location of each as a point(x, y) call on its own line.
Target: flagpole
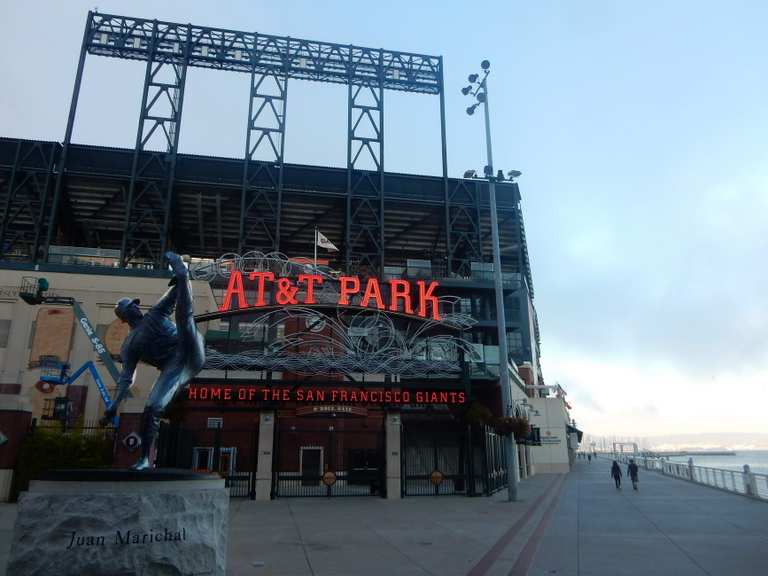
point(315, 249)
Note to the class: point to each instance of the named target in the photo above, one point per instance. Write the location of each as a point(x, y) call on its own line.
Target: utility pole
point(510, 446)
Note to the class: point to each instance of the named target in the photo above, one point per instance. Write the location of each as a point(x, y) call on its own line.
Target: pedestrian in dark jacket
point(632, 473)
point(616, 474)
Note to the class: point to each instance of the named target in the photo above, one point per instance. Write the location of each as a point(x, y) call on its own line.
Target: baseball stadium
point(349, 314)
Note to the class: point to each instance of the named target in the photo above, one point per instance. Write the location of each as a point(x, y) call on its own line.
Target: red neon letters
point(403, 296)
point(336, 395)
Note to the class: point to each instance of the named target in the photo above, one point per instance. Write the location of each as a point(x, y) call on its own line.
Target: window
point(5, 330)
point(514, 342)
point(466, 306)
point(49, 405)
point(202, 459)
point(216, 422)
point(228, 461)
point(101, 331)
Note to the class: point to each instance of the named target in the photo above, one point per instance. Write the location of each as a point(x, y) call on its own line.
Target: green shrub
point(51, 449)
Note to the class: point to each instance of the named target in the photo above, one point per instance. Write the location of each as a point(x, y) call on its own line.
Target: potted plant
point(517, 425)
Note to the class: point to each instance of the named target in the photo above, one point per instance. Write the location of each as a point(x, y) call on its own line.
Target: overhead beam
point(252, 52)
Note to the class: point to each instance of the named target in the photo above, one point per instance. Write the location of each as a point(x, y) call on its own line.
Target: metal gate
point(230, 452)
point(317, 459)
point(439, 460)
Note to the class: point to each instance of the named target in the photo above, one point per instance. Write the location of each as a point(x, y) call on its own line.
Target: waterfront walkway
point(573, 525)
point(668, 527)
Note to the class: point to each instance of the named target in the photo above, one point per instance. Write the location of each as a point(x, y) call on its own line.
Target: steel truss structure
point(125, 207)
point(169, 49)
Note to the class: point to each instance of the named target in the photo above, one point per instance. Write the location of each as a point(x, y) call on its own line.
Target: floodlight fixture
point(480, 96)
point(485, 65)
point(470, 174)
point(512, 174)
point(466, 90)
point(488, 171)
point(471, 109)
point(472, 78)
point(500, 175)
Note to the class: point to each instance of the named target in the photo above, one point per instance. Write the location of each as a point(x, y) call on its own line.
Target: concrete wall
point(97, 295)
point(552, 456)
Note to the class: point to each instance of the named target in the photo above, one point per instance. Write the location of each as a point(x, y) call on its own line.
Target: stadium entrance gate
point(449, 459)
point(328, 457)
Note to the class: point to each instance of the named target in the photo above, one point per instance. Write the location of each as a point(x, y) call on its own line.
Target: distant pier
point(658, 454)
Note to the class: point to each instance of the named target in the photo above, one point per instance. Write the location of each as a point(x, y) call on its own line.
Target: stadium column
point(443, 141)
point(264, 455)
point(263, 165)
point(148, 218)
point(364, 231)
point(392, 449)
point(62, 164)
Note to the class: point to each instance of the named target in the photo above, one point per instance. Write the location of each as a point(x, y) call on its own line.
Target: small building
point(559, 438)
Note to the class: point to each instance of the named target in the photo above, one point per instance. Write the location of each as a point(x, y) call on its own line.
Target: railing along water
point(743, 482)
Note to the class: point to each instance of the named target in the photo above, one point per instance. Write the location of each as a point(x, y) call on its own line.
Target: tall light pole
point(510, 448)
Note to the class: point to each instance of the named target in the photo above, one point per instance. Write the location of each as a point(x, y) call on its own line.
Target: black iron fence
point(321, 460)
point(447, 460)
point(494, 460)
point(230, 452)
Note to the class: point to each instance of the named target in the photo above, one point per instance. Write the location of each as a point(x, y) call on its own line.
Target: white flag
point(323, 242)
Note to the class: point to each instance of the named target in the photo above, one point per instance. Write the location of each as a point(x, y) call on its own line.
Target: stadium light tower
point(478, 87)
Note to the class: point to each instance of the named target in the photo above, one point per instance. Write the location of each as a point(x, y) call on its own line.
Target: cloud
point(612, 395)
point(674, 283)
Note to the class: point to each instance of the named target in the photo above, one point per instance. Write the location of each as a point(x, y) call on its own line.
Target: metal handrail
point(744, 482)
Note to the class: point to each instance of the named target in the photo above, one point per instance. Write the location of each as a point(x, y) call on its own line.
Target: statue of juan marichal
point(177, 350)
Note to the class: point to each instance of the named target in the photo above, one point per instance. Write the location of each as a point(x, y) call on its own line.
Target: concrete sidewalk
point(668, 526)
point(352, 536)
point(571, 525)
point(371, 536)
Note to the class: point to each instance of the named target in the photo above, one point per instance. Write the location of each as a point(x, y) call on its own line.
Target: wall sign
point(233, 393)
point(132, 441)
point(331, 409)
point(548, 438)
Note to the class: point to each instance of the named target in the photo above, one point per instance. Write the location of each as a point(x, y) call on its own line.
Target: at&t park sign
point(412, 298)
point(322, 338)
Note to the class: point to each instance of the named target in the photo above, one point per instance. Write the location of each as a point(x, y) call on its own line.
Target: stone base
point(118, 522)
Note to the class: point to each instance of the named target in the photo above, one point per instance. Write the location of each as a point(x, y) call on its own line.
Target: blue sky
point(640, 129)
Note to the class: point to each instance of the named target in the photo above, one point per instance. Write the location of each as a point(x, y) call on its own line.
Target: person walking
point(616, 474)
point(589, 458)
point(632, 470)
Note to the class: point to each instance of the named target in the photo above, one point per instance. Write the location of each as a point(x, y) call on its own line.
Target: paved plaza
point(577, 524)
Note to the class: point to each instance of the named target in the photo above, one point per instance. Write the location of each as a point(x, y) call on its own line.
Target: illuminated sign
point(233, 393)
point(419, 300)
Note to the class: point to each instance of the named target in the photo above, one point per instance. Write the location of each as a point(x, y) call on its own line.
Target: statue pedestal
point(118, 522)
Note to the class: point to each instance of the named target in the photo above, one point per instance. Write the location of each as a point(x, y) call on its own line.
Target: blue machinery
point(32, 291)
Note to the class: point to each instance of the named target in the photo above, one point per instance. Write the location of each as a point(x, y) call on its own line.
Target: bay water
point(757, 460)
